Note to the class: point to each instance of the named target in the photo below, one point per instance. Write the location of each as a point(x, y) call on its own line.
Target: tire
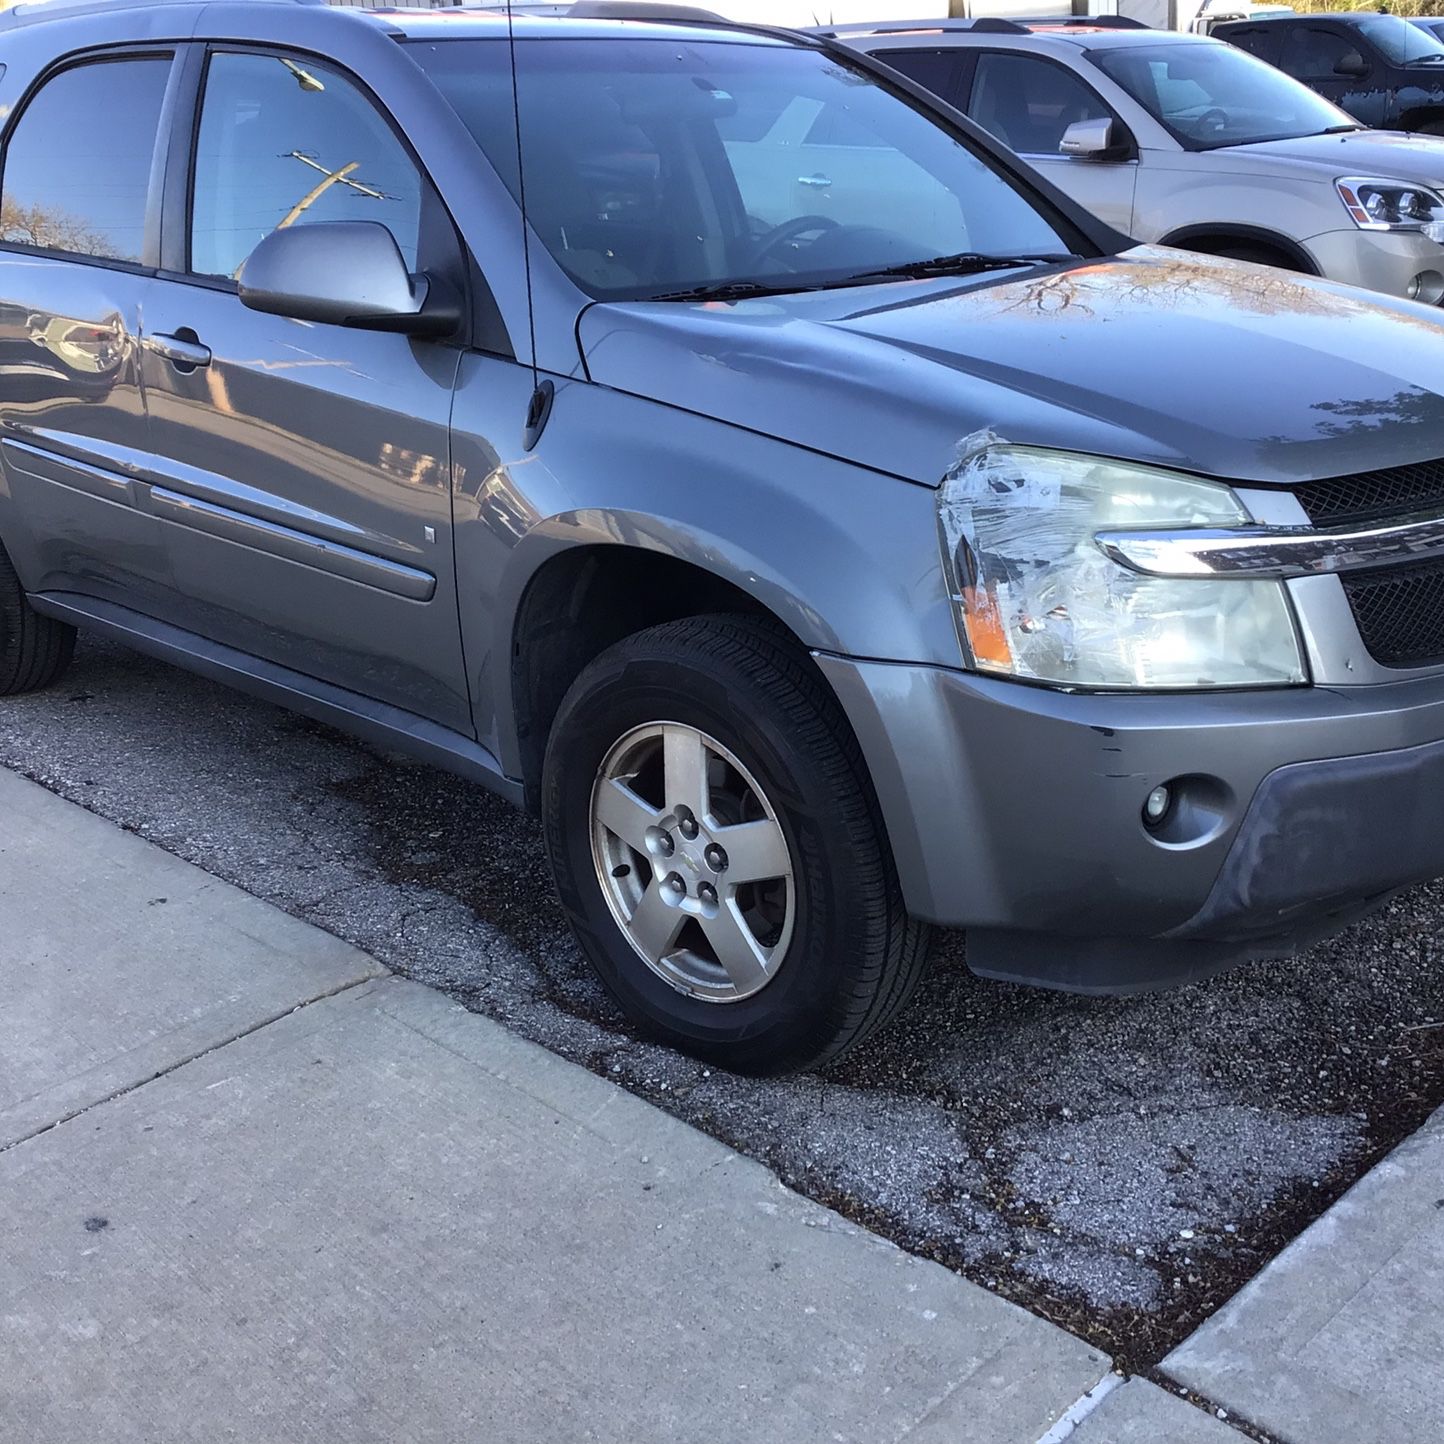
point(843, 957)
point(34, 650)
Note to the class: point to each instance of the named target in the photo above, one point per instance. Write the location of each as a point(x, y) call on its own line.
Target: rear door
point(79, 221)
point(303, 470)
point(1028, 102)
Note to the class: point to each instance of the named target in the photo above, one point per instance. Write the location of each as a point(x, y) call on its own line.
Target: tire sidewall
point(795, 1012)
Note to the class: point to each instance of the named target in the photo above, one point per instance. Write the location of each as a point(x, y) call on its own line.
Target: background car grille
point(1368, 495)
point(1400, 612)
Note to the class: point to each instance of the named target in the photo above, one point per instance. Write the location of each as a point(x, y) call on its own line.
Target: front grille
point(1400, 612)
point(1370, 495)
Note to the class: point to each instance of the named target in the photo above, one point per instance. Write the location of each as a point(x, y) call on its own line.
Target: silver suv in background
point(815, 578)
point(1187, 141)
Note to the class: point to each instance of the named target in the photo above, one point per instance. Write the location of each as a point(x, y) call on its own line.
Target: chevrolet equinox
point(829, 538)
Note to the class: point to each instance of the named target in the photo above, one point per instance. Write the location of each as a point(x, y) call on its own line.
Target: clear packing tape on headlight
point(1038, 599)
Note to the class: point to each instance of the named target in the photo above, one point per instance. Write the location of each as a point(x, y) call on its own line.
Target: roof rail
point(1084, 22)
point(638, 10)
point(986, 25)
point(32, 10)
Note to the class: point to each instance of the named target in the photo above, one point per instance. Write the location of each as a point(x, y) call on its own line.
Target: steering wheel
point(778, 236)
point(1214, 119)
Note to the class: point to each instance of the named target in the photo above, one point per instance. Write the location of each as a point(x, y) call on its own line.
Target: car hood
point(1241, 372)
point(1391, 154)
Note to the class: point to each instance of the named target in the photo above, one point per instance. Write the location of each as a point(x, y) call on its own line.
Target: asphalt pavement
point(255, 1187)
point(1120, 1166)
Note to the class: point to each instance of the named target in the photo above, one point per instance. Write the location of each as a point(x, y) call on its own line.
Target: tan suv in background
point(1187, 141)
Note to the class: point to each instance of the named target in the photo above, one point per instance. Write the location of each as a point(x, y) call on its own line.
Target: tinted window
point(77, 165)
point(1214, 95)
point(1028, 103)
point(640, 180)
point(1312, 54)
point(935, 70)
point(284, 142)
point(1265, 41)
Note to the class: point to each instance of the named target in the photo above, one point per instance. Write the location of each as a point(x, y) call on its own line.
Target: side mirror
point(343, 273)
point(1352, 65)
point(1089, 139)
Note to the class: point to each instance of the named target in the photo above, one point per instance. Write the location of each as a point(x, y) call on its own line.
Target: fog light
point(1428, 287)
point(1155, 809)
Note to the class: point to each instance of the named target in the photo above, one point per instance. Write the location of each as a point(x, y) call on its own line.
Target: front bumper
point(1387, 261)
point(1016, 812)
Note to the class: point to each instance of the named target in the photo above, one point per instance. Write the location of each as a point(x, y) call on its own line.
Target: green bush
point(1405, 8)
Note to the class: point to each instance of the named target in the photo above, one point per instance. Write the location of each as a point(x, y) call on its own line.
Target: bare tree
point(50, 229)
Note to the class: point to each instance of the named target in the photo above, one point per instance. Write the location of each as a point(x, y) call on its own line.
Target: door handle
point(814, 180)
point(182, 349)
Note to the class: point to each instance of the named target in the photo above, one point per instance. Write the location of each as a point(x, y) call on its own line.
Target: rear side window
point(286, 142)
point(1263, 41)
point(77, 164)
point(935, 70)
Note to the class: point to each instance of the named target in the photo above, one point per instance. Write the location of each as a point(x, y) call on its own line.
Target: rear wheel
point(34, 650)
point(717, 844)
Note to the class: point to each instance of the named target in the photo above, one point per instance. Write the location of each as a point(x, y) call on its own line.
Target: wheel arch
point(580, 599)
point(1197, 237)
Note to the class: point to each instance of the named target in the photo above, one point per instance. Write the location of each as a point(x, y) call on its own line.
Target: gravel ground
point(1120, 1165)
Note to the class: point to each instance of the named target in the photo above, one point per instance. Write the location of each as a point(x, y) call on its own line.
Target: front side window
point(1212, 94)
point(77, 165)
point(655, 166)
point(1028, 103)
point(285, 142)
point(1314, 54)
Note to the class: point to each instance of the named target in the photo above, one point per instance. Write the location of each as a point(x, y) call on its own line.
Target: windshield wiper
point(965, 263)
point(1339, 129)
point(734, 291)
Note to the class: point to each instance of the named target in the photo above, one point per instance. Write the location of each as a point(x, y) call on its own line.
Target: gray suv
point(502, 393)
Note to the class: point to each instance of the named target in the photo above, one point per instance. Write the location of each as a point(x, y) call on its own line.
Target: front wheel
point(717, 845)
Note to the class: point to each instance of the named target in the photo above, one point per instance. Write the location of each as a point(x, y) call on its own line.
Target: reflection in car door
point(305, 468)
point(76, 209)
point(1028, 102)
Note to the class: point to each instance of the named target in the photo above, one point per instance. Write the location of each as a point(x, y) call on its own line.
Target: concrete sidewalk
point(253, 1188)
point(348, 1210)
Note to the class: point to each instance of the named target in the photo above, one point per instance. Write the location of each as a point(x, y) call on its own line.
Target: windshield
point(656, 167)
point(1400, 42)
point(1211, 95)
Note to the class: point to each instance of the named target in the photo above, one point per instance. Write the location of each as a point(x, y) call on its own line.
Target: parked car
point(1186, 141)
point(1385, 72)
point(815, 579)
point(1433, 24)
point(1183, 140)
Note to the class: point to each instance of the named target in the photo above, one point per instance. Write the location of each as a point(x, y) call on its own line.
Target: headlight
point(1037, 597)
point(1383, 205)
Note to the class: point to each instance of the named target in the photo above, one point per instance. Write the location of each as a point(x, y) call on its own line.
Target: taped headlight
point(1037, 598)
point(1383, 205)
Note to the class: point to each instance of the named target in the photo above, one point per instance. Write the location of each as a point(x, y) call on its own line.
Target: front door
point(303, 470)
point(1337, 64)
point(1028, 103)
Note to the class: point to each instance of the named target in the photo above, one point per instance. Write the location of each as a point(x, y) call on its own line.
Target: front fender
point(845, 557)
